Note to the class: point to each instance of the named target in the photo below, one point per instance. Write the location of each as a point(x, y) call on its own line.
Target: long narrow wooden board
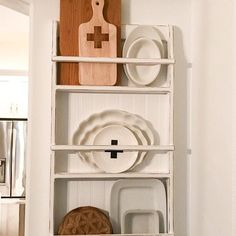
point(72, 14)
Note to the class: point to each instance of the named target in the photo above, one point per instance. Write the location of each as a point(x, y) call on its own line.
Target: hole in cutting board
point(98, 37)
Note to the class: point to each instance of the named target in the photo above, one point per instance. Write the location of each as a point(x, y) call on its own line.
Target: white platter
point(143, 48)
point(140, 222)
point(113, 162)
point(142, 31)
point(87, 130)
point(137, 194)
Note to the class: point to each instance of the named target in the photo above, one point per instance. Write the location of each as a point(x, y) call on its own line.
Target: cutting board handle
point(98, 6)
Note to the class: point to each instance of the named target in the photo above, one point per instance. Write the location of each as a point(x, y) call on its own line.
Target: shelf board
point(111, 89)
point(14, 73)
point(128, 175)
point(12, 201)
point(161, 234)
point(128, 148)
point(112, 60)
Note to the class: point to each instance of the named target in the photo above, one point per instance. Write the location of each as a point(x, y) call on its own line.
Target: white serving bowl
point(143, 48)
point(138, 221)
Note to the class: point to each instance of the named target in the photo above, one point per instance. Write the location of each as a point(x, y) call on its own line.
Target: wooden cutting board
point(72, 14)
point(97, 38)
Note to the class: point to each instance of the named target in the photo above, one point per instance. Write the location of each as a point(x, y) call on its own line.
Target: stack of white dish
point(143, 42)
point(138, 206)
point(114, 127)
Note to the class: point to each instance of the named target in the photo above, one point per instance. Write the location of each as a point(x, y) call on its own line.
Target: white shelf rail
point(127, 148)
point(122, 235)
point(136, 61)
point(129, 175)
point(110, 89)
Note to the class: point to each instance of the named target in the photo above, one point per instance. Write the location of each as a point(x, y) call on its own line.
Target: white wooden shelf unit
point(158, 90)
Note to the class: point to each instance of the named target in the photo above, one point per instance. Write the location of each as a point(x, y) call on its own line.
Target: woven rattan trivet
point(85, 220)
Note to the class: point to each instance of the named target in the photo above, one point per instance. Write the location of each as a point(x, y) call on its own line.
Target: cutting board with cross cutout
point(97, 38)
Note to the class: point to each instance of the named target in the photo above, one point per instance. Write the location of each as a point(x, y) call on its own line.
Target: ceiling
point(17, 5)
point(12, 25)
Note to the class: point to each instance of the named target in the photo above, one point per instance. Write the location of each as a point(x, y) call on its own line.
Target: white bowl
point(142, 31)
point(143, 48)
point(138, 221)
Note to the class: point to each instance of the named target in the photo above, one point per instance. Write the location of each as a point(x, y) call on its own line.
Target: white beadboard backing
point(73, 194)
point(72, 109)
point(72, 163)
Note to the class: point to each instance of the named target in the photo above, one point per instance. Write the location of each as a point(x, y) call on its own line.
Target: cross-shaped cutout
point(97, 37)
point(114, 152)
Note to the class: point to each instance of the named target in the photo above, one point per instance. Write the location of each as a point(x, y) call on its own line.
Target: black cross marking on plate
point(97, 37)
point(114, 152)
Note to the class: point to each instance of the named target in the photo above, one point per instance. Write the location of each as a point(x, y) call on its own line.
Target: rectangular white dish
point(137, 194)
point(140, 222)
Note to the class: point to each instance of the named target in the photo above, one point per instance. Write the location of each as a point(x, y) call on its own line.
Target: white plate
point(113, 116)
point(137, 194)
point(142, 31)
point(143, 48)
point(114, 162)
point(89, 137)
point(139, 221)
point(89, 127)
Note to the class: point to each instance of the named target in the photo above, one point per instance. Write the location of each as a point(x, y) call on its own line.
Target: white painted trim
point(16, 5)
point(13, 72)
point(12, 201)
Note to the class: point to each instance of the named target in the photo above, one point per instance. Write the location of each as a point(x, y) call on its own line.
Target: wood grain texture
point(85, 221)
point(97, 38)
point(72, 14)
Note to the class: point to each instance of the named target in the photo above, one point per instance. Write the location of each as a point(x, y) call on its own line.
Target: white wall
point(207, 98)
point(14, 40)
point(37, 209)
point(212, 84)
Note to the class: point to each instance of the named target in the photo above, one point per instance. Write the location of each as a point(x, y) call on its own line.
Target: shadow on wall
point(180, 136)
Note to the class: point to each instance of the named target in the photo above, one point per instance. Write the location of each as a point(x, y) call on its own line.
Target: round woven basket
point(85, 220)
